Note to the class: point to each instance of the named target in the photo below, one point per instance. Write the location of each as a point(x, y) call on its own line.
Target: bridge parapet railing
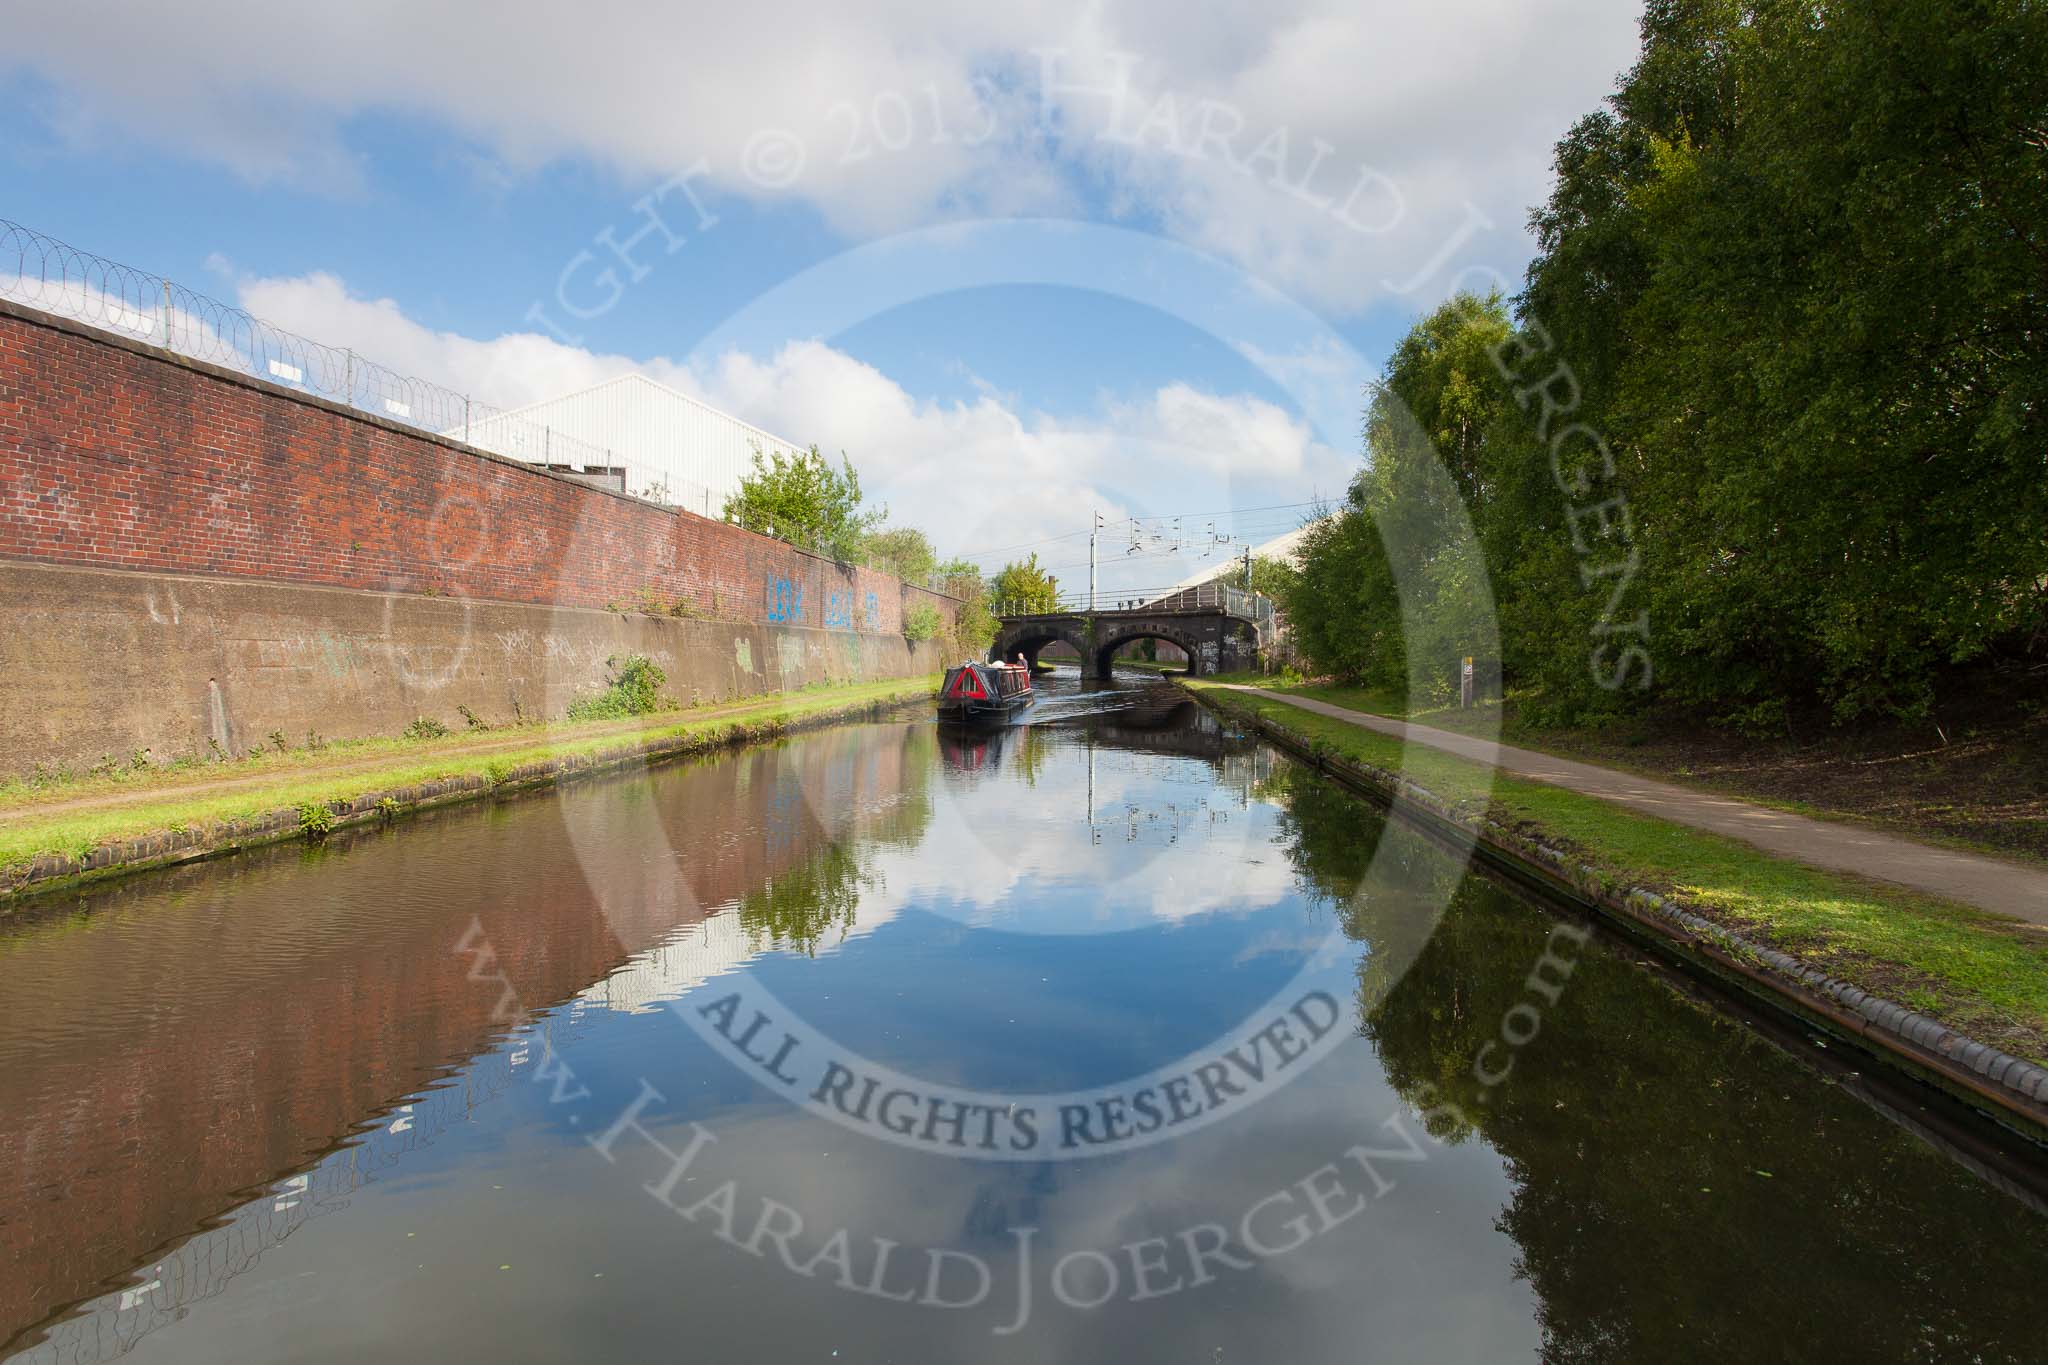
point(1236, 602)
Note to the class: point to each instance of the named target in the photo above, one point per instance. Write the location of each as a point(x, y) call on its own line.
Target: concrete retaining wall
point(105, 663)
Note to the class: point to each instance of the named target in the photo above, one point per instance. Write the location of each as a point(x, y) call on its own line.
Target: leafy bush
point(922, 622)
point(315, 820)
point(426, 727)
point(903, 551)
point(633, 689)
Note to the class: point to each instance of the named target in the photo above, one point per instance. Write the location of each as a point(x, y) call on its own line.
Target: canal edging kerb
point(50, 873)
point(2016, 1090)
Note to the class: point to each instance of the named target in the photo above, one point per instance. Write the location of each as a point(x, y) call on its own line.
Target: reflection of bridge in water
point(1160, 720)
point(1221, 629)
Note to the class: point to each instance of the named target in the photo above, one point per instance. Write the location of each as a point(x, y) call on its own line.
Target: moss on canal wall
point(1975, 968)
point(42, 852)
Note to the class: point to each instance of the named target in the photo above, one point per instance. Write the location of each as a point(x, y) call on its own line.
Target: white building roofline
point(769, 440)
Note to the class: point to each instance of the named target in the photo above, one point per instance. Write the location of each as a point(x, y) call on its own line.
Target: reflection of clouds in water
point(1175, 845)
point(691, 956)
point(1165, 844)
point(1421, 1273)
point(1041, 872)
point(1303, 940)
point(697, 953)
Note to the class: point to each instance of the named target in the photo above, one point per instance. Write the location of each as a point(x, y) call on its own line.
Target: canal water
point(1114, 1036)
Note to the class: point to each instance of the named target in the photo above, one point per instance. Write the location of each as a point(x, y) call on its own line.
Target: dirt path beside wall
point(354, 757)
point(48, 845)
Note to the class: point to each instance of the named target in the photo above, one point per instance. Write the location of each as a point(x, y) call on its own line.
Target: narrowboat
point(983, 693)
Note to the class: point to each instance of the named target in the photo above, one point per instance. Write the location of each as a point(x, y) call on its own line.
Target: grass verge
point(80, 824)
point(1980, 974)
point(1979, 785)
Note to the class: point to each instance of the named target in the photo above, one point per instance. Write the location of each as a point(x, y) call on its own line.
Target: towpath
point(1988, 883)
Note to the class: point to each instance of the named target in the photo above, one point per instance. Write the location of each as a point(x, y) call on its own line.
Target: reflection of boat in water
point(984, 693)
point(972, 749)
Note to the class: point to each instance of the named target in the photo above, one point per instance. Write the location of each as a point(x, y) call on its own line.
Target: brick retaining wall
point(115, 454)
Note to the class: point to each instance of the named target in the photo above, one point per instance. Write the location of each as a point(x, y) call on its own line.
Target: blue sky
point(1124, 256)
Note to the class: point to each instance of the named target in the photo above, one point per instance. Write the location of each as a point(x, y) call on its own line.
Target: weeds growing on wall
point(922, 622)
point(633, 688)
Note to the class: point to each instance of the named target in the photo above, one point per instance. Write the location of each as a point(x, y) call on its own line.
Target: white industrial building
point(1285, 548)
point(636, 435)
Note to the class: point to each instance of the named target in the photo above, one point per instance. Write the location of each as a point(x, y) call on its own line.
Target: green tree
point(1786, 295)
point(1798, 270)
point(1270, 577)
point(1025, 587)
point(1340, 608)
point(903, 551)
point(1392, 590)
point(974, 627)
point(805, 501)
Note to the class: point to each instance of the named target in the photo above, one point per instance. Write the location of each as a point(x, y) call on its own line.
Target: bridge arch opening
point(1106, 651)
point(1215, 637)
point(1030, 640)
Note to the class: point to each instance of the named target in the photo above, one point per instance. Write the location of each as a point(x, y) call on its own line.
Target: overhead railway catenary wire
point(1110, 528)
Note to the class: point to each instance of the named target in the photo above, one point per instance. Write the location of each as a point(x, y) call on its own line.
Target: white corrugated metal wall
point(659, 435)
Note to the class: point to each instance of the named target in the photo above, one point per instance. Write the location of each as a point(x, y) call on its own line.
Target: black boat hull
point(979, 712)
point(983, 694)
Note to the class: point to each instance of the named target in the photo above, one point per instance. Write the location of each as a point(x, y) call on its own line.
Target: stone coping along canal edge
point(2011, 1089)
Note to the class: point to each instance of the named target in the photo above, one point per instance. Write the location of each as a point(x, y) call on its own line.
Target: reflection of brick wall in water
point(115, 455)
point(211, 1030)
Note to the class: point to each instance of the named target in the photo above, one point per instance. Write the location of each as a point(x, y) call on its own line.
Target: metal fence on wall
point(44, 273)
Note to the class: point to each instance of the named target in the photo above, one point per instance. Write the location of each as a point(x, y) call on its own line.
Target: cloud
point(1032, 474)
point(1328, 379)
point(507, 371)
point(1335, 149)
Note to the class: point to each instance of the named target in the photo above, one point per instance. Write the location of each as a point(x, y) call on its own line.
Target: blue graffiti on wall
point(874, 612)
point(839, 611)
point(785, 599)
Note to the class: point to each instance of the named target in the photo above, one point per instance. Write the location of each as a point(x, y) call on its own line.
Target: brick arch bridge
point(1220, 628)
